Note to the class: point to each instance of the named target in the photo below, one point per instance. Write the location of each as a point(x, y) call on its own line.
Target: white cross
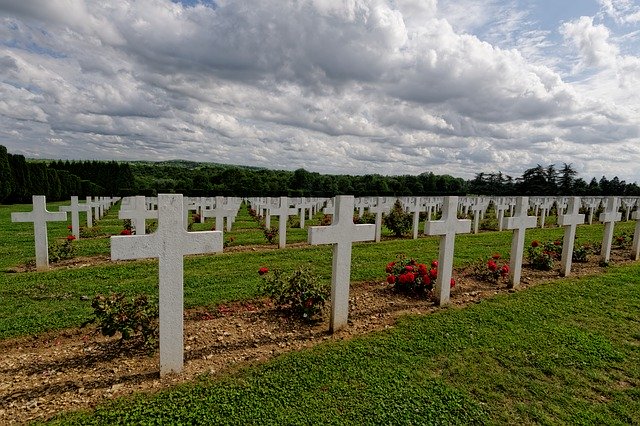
point(380, 207)
point(501, 207)
point(635, 249)
point(415, 207)
point(138, 214)
point(609, 217)
point(519, 222)
point(447, 228)
point(478, 210)
point(591, 204)
point(75, 208)
point(570, 220)
point(39, 215)
point(342, 233)
point(283, 212)
point(90, 205)
point(170, 243)
point(219, 212)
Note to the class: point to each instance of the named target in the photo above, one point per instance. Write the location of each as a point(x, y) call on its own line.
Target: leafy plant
point(410, 277)
point(135, 318)
point(366, 218)
point(580, 253)
point(270, 234)
point(397, 220)
point(326, 220)
point(301, 294)
point(151, 227)
point(623, 240)
point(543, 255)
point(62, 250)
point(90, 232)
point(491, 270)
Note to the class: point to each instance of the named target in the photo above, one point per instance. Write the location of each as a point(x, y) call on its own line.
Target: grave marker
point(138, 214)
point(75, 208)
point(283, 212)
point(342, 233)
point(39, 215)
point(519, 222)
point(609, 217)
point(170, 243)
point(570, 220)
point(447, 228)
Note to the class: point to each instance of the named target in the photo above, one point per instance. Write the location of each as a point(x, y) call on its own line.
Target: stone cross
point(478, 209)
point(170, 243)
point(39, 215)
point(635, 249)
point(501, 206)
point(342, 233)
point(380, 207)
point(138, 214)
point(283, 212)
point(519, 222)
point(447, 228)
point(219, 212)
point(415, 207)
point(90, 215)
point(545, 206)
point(75, 208)
point(591, 204)
point(570, 220)
point(609, 217)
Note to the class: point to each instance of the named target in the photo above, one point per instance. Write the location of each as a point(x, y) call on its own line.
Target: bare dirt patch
point(76, 369)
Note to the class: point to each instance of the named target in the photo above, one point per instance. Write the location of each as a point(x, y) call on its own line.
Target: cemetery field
point(564, 351)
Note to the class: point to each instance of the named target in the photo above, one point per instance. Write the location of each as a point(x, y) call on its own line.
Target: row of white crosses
point(39, 216)
point(171, 242)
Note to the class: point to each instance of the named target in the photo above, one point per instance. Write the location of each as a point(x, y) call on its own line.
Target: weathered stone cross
point(170, 243)
point(342, 233)
point(519, 222)
point(39, 215)
point(609, 217)
point(570, 220)
point(138, 214)
point(447, 228)
point(75, 208)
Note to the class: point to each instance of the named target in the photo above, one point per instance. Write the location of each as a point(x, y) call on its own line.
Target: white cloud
point(396, 86)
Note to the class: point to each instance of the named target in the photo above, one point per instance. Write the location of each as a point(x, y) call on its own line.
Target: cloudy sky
point(333, 86)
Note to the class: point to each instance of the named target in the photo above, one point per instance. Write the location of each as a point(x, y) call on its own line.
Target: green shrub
point(133, 319)
point(62, 250)
point(301, 294)
point(397, 220)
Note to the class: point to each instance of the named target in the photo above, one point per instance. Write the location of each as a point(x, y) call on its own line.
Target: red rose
point(426, 280)
point(422, 269)
point(125, 232)
point(434, 264)
point(410, 277)
point(69, 227)
point(452, 283)
point(263, 270)
point(504, 271)
point(390, 267)
point(534, 243)
point(433, 274)
point(492, 265)
point(408, 268)
point(557, 243)
point(71, 237)
point(391, 279)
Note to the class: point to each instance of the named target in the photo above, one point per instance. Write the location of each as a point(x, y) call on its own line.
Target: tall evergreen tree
point(6, 179)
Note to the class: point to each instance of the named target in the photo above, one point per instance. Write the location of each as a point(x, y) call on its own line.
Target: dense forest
point(58, 180)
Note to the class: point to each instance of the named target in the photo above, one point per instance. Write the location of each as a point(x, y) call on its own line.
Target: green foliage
point(270, 234)
point(410, 277)
point(581, 252)
point(61, 250)
point(133, 319)
point(6, 179)
point(366, 218)
point(302, 294)
point(397, 220)
point(623, 240)
point(491, 270)
point(542, 256)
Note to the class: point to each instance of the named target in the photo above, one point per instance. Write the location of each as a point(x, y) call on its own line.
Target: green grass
point(566, 352)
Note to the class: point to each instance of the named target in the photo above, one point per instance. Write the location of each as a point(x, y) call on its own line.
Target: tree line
point(58, 180)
